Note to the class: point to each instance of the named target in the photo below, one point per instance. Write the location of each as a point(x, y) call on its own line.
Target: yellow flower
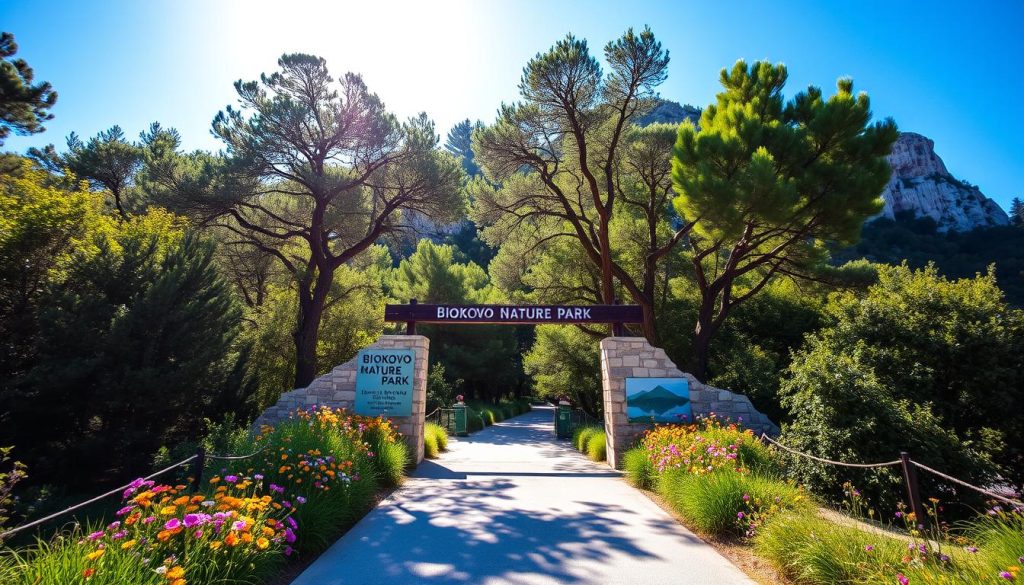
point(127, 544)
point(168, 510)
point(175, 573)
point(95, 554)
point(215, 544)
point(262, 543)
point(179, 582)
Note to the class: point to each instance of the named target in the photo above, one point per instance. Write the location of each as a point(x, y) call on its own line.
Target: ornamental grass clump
point(596, 447)
point(435, 440)
point(581, 436)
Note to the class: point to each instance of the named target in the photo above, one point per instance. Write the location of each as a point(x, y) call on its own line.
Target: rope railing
point(963, 483)
point(198, 461)
point(765, 437)
point(909, 477)
point(13, 531)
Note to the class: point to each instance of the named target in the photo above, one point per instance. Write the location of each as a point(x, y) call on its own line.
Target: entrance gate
point(623, 359)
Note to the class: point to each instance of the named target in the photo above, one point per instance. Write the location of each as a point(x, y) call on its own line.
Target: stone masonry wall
point(337, 389)
point(633, 357)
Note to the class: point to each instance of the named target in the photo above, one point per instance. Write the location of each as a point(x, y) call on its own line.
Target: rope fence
point(198, 462)
point(909, 467)
point(829, 461)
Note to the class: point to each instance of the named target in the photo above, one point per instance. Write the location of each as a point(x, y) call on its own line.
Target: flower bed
point(313, 477)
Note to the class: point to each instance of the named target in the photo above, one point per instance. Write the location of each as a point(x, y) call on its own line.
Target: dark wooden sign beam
point(512, 314)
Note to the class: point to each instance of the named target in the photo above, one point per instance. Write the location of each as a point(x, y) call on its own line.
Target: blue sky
point(946, 70)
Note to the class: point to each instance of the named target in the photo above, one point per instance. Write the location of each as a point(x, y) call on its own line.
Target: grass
point(596, 446)
point(726, 502)
point(810, 549)
point(639, 468)
point(581, 435)
point(435, 440)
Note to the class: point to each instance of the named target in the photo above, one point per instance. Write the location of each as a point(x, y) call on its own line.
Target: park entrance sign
point(615, 315)
point(384, 382)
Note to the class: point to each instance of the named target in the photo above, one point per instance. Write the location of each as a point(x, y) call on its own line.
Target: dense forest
point(149, 293)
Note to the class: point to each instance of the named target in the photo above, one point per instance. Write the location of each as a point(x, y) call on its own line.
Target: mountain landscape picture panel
point(660, 400)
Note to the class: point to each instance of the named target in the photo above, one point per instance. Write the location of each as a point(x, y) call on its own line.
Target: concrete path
point(510, 504)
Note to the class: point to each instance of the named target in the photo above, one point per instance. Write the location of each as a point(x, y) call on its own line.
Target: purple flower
point(193, 520)
point(231, 478)
point(922, 548)
point(944, 558)
point(288, 551)
point(172, 524)
point(124, 510)
point(276, 488)
point(286, 503)
point(902, 579)
point(869, 547)
point(148, 519)
point(289, 536)
point(746, 498)
point(291, 522)
point(113, 526)
point(96, 535)
point(258, 477)
point(971, 549)
point(1006, 575)
point(119, 535)
point(740, 515)
point(238, 525)
point(301, 500)
point(899, 514)
point(198, 534)
point(1020, 559)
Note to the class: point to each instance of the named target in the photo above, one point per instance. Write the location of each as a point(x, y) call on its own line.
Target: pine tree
point(137, 347)
point(1017, 212)
point(459, 144)
point(23, 106)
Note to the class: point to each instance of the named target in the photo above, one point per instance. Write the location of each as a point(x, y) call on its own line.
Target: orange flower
point(175, 573)
point(179, 582)
point(231, 539)
point(95, 554)
point(88, 572)
point(215, 544)
point(164, 535)
point(262, 543)
point(246, 537)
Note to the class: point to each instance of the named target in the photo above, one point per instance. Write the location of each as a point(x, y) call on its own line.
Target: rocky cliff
point(920, 183)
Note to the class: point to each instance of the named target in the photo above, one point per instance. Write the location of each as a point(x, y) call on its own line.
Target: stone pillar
point(634, 357)
point(337, 389)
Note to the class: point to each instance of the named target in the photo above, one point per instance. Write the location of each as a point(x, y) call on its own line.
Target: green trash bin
point(461, 428)
point(563, 420)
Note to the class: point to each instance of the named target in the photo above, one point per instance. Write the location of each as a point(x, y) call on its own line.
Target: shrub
point(581, 435)
point(726, 502)
point(639, 469)
point(474, 420)
point(435, 439)
point(596, 446)
point(430, 448)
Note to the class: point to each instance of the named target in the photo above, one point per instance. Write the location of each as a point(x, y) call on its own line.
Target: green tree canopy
point(769, 182)
point(316, 173)
point(24, 105)
point(919, 363)
point(568, 159)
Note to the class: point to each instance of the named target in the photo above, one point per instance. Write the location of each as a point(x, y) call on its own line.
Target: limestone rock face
point(669, 112)
point(921, 184)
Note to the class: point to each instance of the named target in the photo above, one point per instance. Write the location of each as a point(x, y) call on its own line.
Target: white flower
point(161, 570)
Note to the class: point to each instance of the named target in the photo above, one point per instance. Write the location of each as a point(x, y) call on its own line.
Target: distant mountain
point(920, 183)
point(658, 399)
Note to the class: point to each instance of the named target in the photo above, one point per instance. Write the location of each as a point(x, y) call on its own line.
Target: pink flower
point(902, 579)
point(96, 535)
point(172, 524)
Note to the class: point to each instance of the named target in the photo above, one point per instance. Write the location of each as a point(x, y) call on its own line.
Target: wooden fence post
point(913, 492)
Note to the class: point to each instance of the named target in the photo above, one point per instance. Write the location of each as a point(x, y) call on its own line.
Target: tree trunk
point(702, 337)
point(307, 329)
point(648, 326)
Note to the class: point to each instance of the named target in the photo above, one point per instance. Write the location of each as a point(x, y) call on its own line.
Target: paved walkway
point(509, 504)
